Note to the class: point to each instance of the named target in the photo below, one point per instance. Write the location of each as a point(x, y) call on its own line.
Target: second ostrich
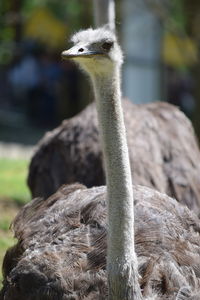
point(163, 152)
point(61, 250)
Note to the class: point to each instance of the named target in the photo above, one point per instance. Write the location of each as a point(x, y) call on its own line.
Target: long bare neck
point(121, 258)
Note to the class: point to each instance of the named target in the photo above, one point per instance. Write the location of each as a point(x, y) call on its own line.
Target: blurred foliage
point(176, 14)
point(53, 30)
point(72, 14)
point(67, 11)
point(15, 13)
point(179, 51)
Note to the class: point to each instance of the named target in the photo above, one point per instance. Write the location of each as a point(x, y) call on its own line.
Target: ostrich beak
point(76, 52)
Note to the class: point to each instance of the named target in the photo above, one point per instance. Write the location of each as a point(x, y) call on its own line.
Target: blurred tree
point(25, 35)
point(53, 31)
point(14, 13)
point(16, 18)
point(7, 33)
point(192, 13)
point(10, 12)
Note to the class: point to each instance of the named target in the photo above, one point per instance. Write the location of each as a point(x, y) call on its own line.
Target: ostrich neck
point(121, 258)
point(116, 159)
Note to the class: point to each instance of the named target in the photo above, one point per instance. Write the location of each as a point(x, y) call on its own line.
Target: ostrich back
point(61, 249)
point(163, 153)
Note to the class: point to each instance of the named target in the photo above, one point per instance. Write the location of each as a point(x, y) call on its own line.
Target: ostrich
point(62, 251)
point(163, 151)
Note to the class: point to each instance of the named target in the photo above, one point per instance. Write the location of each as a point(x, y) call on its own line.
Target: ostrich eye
point(107, 45)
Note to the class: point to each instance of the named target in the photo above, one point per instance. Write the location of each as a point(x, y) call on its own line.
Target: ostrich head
point(95, 50)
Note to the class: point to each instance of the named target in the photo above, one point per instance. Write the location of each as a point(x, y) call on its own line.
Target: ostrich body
point(61, 246)
point(61, 249)
point(163, 151)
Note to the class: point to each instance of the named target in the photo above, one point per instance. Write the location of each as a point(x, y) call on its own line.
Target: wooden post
point(141, 36)
point(104, 13)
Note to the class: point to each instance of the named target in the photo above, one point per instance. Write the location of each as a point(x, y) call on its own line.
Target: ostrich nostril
point(81, 50)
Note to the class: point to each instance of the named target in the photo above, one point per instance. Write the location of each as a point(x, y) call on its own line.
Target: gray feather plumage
point(164, 153)
point(62, 246)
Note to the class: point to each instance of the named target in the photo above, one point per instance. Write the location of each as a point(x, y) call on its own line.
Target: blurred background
point(161, 42)
point(37, 90)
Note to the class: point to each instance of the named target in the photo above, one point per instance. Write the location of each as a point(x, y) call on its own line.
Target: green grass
point(13, 173)
point(6, 241)
point(13, 194)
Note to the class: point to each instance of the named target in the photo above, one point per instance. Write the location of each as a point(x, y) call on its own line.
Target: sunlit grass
point(13, 194)
point(7, 214)
point(6, 241)
point(13, 173)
